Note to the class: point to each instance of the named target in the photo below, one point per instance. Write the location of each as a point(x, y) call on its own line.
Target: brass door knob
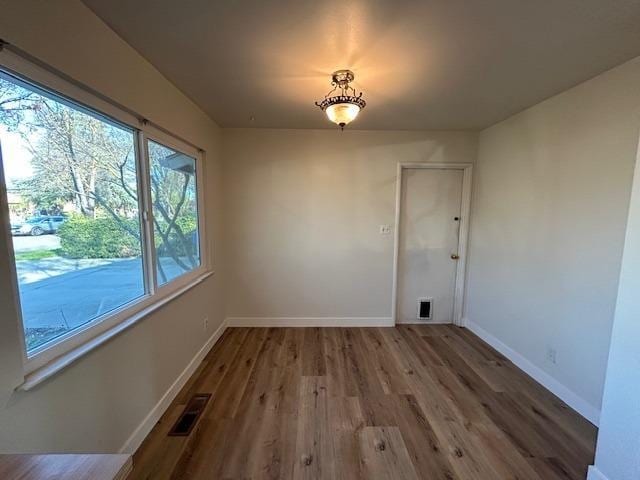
point(454, 256)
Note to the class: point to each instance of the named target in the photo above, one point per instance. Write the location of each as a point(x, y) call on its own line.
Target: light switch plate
point(385, 229)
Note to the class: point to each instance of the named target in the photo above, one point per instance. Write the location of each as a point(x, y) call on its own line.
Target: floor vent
point(425, 310)
point(190, 415)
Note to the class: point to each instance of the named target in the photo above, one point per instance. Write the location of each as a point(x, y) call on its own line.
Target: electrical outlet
point(205, 323)
point(385, 229)
point(551, 355)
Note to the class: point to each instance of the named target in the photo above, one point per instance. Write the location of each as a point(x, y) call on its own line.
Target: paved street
point(60, 292)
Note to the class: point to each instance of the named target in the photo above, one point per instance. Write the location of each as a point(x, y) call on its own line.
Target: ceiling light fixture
point(343, 107)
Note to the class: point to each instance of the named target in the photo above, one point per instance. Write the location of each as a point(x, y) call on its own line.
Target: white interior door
point(428, 243)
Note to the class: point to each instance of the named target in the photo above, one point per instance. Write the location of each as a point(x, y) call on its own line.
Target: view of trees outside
point(175, 212)
point(72, 183)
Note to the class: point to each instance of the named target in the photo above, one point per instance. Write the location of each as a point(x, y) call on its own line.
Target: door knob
point(454, 256)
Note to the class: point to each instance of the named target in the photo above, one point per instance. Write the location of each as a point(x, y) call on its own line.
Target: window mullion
point(149, 253)
point(205, 254)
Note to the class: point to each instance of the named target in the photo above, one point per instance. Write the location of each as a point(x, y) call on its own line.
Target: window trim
point(64, 359)
point(76, 343)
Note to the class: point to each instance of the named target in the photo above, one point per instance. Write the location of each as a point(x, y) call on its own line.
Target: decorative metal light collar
point(343, 107)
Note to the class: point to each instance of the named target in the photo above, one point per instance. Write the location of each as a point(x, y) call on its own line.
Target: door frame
point(465, 210)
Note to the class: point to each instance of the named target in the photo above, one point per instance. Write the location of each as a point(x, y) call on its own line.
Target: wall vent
point(425, 308)
point(190, 415)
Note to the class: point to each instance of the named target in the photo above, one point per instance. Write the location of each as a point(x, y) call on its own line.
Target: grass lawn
point(37, 255)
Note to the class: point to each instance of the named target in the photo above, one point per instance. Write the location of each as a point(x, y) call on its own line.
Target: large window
point(86, 248)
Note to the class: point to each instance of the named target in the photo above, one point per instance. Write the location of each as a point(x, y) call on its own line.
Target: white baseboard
point(422, 322)
point(595, 474)
point(140, 433)
point(572, 399)
point(309, 322)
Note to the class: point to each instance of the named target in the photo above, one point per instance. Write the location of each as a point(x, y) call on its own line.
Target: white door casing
point(432, 209)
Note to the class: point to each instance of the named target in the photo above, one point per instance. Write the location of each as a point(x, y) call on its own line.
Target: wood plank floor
point(410, 402)
point(67, 466)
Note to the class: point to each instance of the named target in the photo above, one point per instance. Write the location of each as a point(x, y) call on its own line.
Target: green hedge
point(82, 237)
point(188, 224)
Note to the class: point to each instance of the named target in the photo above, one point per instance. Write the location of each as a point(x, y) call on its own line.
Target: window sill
point(59, 363)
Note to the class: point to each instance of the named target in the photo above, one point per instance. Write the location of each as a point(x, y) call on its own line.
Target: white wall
point(549, 212)
point(618, 452)
point(304, 208)
point(95, 404)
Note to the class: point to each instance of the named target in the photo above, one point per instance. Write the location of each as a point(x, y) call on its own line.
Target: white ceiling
point(430, 64)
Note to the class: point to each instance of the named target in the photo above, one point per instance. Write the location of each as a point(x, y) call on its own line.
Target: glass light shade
point(342, 113)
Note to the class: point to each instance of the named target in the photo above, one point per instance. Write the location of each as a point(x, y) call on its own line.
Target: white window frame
point(46, 360)
point(155, 135)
